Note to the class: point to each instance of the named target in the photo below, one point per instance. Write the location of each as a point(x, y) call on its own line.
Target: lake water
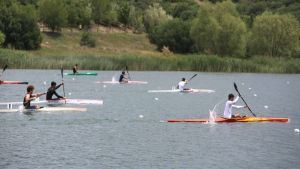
point(115, 136)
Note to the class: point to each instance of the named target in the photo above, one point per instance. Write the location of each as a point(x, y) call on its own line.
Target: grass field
point(115, 50)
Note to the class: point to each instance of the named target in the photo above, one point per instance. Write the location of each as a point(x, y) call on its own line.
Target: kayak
point(82, 74)
point(233, 120)
point(128, 82)
point(185, 91)
point(57, 102)
point(44, 109)
point(73, 101)
point(12, 82)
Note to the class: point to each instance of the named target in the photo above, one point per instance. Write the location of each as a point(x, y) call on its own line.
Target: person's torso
point(50, 93)
point(228, 110)
point(181, 85)
point(26, 104)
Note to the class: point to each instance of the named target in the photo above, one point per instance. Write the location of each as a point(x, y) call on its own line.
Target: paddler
point(52, 91)
point(181, 85)
point(229, 105)
point(75, 69)
point(29, 97)
point(123, 78)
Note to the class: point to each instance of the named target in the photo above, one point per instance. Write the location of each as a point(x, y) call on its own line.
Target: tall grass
point(205, 63)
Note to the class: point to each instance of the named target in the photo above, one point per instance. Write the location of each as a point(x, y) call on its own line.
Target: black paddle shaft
point(192, 77)
point(62, 77)
point(128, 73)
point(235, 87)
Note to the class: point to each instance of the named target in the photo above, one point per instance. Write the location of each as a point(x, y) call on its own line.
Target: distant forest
point(237, 28)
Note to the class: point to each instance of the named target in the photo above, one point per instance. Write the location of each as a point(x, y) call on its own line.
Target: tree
point(53, 13)
point(124, 11)
point(135, 20)
point(175, 35)
point(219, 30)
point(104, 12)
point(154, 16)
point(2, 38)
point(19, 24)
point(79, 13)
point(275, 35)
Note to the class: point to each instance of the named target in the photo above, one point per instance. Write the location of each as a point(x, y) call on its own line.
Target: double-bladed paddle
point(192, 77)
point(235, 87)
point(62, 79)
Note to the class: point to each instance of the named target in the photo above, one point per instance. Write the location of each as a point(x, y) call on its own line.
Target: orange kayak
point(232, 120)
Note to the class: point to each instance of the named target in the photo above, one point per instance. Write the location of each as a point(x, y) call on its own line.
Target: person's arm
point(38, 95)
point(58, 86)
point(57, 95)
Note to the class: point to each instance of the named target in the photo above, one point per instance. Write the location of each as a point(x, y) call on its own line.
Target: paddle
point(235, 87)
point(4, 68)
point(192, 77)
point(62, 79)
point(126, 68)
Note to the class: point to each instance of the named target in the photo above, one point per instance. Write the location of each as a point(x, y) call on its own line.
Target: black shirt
point(51, 91)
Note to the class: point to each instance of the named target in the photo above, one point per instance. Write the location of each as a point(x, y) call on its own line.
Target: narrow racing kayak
point(82, 74)
point(12, 82)
point(185, 91)
point(233, 120)
point(74, 101)
point(45, 109)
point(56, 102)
point(128, 82)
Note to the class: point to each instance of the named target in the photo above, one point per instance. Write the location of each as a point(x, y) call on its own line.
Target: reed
point(203, 63)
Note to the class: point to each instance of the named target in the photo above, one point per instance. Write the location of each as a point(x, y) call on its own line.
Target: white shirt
point(228, 107)
point(181, 85)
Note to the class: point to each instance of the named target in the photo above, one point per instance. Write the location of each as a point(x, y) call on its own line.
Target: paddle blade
point(62, 72)
point(235, 86)
point(5, 67)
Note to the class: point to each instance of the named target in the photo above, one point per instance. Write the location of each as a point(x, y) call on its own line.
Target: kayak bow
point(12, 82)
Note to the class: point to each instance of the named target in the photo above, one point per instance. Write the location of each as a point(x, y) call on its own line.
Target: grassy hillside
point(116, 49)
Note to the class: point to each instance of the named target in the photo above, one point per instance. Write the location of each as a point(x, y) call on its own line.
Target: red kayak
point(233, 120)
point(12, 82)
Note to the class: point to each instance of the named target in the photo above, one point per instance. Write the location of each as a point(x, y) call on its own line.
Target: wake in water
point(215, 112)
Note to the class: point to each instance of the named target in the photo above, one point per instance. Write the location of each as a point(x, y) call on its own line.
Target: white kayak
point(117, 82)
point(56, 102)
point(44, 109)
point(185, 91)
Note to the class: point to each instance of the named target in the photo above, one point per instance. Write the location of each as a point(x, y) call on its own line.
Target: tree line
point(240, 28)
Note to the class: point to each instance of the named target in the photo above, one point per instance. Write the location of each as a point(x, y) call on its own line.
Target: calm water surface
point(114, 135)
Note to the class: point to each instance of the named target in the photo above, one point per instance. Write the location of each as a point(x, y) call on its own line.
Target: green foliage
point(135, 20)
point(19, 24)
point(219, 30)
point(2, 38)
point(104, 12)
point(87, 40)
point(175, 35)
point(124, 11)
point(186, 10)
point(53, 13)
point(154, 16)
point(275, 35)
point(79, 13)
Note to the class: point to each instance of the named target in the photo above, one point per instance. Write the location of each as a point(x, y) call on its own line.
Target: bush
point(87, 40)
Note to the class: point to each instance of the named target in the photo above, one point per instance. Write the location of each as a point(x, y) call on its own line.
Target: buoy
point(287, 82)
point(243, 84)
point(255, 95)
point(141, 116)
point(73, 78)
point(45, 83)
point(266, 106)
point(156, 98)
point(250, 88)
point(104, 86)
point(296, 130)
point(70, 94)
